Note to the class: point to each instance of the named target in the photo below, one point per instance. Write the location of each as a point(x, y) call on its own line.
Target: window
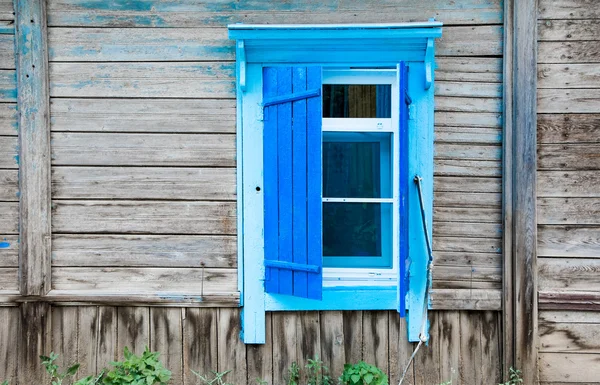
point(333, 124)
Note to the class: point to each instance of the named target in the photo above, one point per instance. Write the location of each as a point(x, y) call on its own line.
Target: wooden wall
point(9, 197)
point(464, 345)
point(568, 191)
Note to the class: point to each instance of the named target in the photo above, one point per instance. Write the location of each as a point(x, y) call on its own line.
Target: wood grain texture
point(152, 217)
point(467, 41)
point(468, 199)
point(8, 152)
point(9, 279)
point(144, 251)
point(7, 52)
point(9, 186)
point(568, 211)
point(467, 214)
point(165, 281)
point(259, 358)
point(568, 52)
point(568, 128)
point(464, 89)
point(34, 334)
point(568, 9)
point(568, 75)
point(7, 11)
point(569, 300)
point(9, 217)
point(466, 119)
point(9, 340)
point(570, 337)
point(558, 274)
point(568, 30)
point(577, 184)
point(216, 14)
point(65, 323)
point(107, 349)
point(83, 149)
point(9, 254)
point(8, 86)
point(469, 69)
point(34, 146)
point(376, 339)
point(467, 152)
point(143, 115)
point(135, 80)
point(567, 368)
point(87, 338)
point(482, 299)
point(468, 104)
point(8, 119)
point(464, 244)
point(568, 241)
point(573, 101)
point(137, 183)
point(449, 258)
point(133, 329)
point(453, 167)
point(200, 342)
point(166, 337)
point(483, 135)
point(467, 184)
point(567, 157)
point(232, 355)
point(571, 317)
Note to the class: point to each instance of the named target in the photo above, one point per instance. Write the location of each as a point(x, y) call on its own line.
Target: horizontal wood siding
point(568, 191)
point(9, 183)
point(143, 124)
point(464, 346)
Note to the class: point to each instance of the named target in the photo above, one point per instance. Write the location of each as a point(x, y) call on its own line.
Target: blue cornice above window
point(336, 44)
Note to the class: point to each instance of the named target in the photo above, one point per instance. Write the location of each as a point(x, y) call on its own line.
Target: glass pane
point(357, 101)
point(356, 165)
point(356, 229)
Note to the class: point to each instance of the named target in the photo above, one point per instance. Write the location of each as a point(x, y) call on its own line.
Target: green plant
point(449, 382)
point(318, 373)
point(260, 381)
point(217, 378)
point(363, 374)
point(57, 377)
point(293, 374)
point(91, 380)
point(515, 377)
point(4, 382)
point(137, 370)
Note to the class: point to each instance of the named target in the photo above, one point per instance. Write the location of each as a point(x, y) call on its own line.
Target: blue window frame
point(283, 138)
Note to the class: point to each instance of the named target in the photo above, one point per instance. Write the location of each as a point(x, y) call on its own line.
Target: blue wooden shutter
point(292, 181)
point(404, 183)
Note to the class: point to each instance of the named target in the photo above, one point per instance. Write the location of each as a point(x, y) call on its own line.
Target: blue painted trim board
point(354, 298)
point(403, 185)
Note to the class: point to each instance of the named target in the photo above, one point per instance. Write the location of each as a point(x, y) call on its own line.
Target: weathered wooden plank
point(9, 185)
point(33, 341)
point(353, 335)
point(107, 350)
point(568, 128)
point(138, 183)
point(467, 152)
point(568, 75)
point(9, 217)
point(471, 352)
point(7, 11)
point(570, 337)
point(568, 184)
point(467, 214)
point(376, 339)
point(467, 119)
point(568, 9)
point(259, 358)
point(135, 80)
point(558, 274)
point(87, 339)
point(569, 317)
point(569, 300)
point(569, 241)
point(154, 217)
point(471, 41)
point(469, 69)
point(7, 52)
point(84, 149)
point(8, 152)
point(466, 284)
point(569, 52)
point(140, 44)
point(453, 167)
point(559, 101)
point(468, 104)
point(568, 30)
point(467, 184)
point(199, 342)
point(427, 362)
point(143, 115)
point(64, 335)
point(567, 368)
point(8, 86)
point(565, 157)
point(234, 356)
point(133, 329)
point(467, 273)
point(9, 252)
point(9, 340)
point(9, 279)
point(466, 89)
point(400, 350)
point(144, 251)
point(568, 211)
point(467, 245)
point(332, 341)
point(219, 13)
point(482, 135)
point(467, 199)
point(449, 344)
point(308, 334)
point(192, 281)
point(460, 258)
point(8, 119)
point(166, 337)
point(466, 299)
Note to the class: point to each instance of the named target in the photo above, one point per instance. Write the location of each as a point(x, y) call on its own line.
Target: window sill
point(338, 298)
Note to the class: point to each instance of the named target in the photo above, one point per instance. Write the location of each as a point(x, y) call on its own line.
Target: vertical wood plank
point(490, 347)
point(107, 348)
point(470, 348)
point(199, 343)
point(87, 339)
point(376, 339)
point(33, 341)
point(400, 350)
point(9, 343)
point(34, 146)
point(427, 360)
point(260, 358)
point(353, 336)
point(524, 188)
point(64, 335)
point(449, 344)
point(332, 341)
point(232, 351)
point(284, 343)
point(133, 329)
point(166, 337)
point(308, 335)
